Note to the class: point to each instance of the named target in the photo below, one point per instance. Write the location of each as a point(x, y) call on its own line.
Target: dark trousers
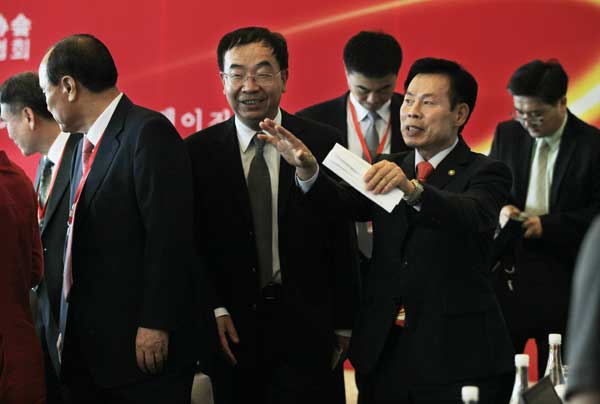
point(272, 376)
point(54, 393)
point(393, 383)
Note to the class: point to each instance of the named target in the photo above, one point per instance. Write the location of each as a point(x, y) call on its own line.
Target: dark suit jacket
point(574, 201)
point(53, 232)
point(333, 112)
point(434, 262)
point(318, 264)
point(132, 248)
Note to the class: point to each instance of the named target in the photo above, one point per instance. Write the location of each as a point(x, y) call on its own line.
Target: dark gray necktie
point(259, 190)
point(372, 137)
point(45, 179)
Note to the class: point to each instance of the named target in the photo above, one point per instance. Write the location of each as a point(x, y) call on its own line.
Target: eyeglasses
point(531, 117)
point(238, 79)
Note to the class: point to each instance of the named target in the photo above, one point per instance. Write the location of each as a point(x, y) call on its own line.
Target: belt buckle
point(272, 292)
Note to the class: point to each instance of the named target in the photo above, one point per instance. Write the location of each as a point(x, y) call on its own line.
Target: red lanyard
point(82, 181)
point(42, 209)
point(361, 137)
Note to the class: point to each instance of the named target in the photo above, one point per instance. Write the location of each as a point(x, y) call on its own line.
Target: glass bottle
point(521, 378)
point(470, 394)
point(554, 368)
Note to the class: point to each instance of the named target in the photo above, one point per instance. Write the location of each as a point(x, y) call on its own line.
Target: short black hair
point(248, 35)
point(547, 81)
point(86, 59)
point(23, 90)
point(373, 54)
point(463, 86)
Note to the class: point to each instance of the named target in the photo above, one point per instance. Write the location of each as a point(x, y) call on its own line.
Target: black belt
point(271, 293)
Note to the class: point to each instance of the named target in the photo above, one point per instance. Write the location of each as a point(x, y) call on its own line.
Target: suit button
point(251, 233)
point(253, 307)
point(45, 249)
point(254, 269)
point(405, 264)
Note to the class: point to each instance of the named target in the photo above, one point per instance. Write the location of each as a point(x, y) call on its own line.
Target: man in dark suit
point(429, 322)
point(368, 115)
point(555, 160)
point(33, 130)
point(126, 304)
point(284, 300)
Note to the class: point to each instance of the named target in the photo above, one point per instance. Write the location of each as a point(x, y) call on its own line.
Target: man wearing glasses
point(555, 160)
point(284, 277)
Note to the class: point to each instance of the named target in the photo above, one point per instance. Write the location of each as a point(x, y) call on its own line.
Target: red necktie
point(86, 152)
point(424, 168)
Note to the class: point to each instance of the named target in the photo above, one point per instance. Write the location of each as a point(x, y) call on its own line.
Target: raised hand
point(290, 148)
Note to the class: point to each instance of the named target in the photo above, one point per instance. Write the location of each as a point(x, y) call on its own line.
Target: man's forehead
point(527, 102)
point(428, 84)
point(250, 55)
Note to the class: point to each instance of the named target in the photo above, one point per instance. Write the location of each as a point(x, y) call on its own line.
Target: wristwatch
point(414, 197)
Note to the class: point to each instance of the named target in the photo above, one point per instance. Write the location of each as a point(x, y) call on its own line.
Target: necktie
point(45, 179)
point(424, 168)
point(259, 191)
point(372, 137)
point(538, 190)
point(86, 152)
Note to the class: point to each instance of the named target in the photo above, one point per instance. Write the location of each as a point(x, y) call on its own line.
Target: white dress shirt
point(55, 152)
point(362, 114)
point(99, 126)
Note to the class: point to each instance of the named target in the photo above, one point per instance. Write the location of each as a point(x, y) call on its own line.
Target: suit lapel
point(566, 149)
point(109, 144)
point(450, 166)
point(230, 152)
point(62, 179)
point(524, 148)
point(286, 171)
point(341, 116)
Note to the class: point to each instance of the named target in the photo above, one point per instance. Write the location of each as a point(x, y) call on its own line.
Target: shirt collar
point(362, 112)
point(553, 140)
point(56, 150)
point(437, 159)
point(245, 134)
point(100, 124)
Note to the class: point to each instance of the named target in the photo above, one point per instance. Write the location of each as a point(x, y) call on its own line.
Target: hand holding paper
point(355, 171)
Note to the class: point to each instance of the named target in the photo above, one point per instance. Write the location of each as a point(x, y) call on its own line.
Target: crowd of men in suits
point(269, 271)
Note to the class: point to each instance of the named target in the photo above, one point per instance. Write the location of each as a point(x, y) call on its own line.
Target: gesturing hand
point(290, 148)
point(151, 349)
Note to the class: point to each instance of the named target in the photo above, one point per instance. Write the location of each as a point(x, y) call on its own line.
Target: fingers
point(225, 327)
point(151, 350)
point(384, 176)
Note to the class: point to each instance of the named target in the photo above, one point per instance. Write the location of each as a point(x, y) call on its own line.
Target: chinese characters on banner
point(14, 38)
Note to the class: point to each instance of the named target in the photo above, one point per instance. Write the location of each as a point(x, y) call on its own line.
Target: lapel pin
point(451, 172)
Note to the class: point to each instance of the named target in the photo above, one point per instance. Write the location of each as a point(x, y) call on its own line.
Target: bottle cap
point(470, 393)
point(521, 360)
point(554, 339)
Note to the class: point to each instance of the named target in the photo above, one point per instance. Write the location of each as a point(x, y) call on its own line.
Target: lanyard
point(82, 181)
point(361, 137)
point(41, 211)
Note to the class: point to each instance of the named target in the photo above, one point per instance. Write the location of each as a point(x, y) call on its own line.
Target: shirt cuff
point(220, 312)
point(343, 333)
point(305, 186)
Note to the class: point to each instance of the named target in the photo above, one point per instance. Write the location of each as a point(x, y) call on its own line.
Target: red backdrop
point(165, 50)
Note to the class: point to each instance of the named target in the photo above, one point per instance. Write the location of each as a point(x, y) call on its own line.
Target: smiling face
point(371, 93)
point(251, 101)
point(428, 122)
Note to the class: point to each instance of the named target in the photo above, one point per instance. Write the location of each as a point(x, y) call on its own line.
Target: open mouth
point(412, 129)
point(251, 102)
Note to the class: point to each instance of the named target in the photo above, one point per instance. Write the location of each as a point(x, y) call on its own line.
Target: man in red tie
point(429, 321)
